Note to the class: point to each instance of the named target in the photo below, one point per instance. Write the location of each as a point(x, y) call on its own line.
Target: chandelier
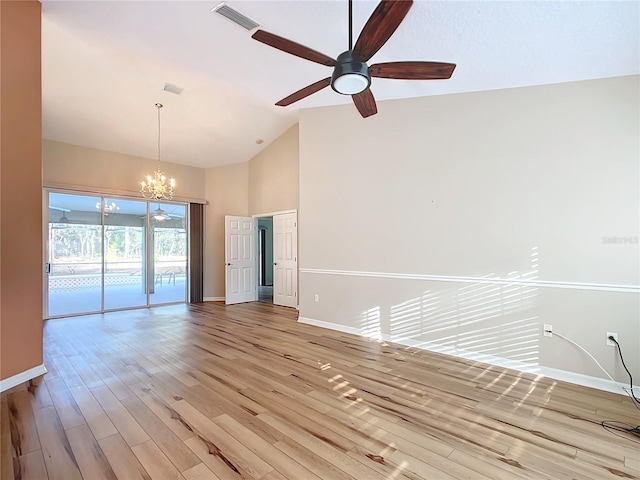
point(155, 187)
point(107, 208)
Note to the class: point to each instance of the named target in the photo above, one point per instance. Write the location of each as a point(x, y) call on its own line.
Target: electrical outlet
point(547, 330)
point(610, 342)
point(317, 298)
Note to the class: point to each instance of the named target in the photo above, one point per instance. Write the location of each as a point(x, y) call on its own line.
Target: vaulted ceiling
point(105, 64)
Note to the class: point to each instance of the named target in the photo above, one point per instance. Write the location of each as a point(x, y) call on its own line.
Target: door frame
point(270, 215)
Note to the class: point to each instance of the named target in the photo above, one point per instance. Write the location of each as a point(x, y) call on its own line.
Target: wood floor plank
point(331, 436)
point(494, 466)
point(274, 457)
point(321, 448)
point(111, 380)
point(164, 438)
point(66, 371)
point(216, 461)
point(204, 397)
point(39, 392)
point(611, 466)
point(155, 462)
point(91, 460)
point(404, 462)
point(162, 410)
point(52, 370)
point(411, 442)
point(217, 438)
point(94, 415)
point(315, 463)
point(58, 456)
point(124, 463)
point(275, 475)
point(200, 472)
point(31, 466)
point(554, 464)
point(66, 406)
point(122, 420)
point(633, 464)
point(89, 377)
point(24, 435)
point(6, 448)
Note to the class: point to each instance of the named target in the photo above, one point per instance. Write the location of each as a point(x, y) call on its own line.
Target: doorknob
point(275, 263)
point(228, 264)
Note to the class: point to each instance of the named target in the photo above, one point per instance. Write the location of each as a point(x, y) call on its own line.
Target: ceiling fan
point(160, 215)
point(351, 74)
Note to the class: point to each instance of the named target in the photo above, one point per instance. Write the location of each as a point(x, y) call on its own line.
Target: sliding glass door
point(74, 255)
point(168, 251)
point(124, 253)
point(107, 253)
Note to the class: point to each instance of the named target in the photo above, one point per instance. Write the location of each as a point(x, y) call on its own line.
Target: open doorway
point(265, 259)
point(277, 252)
point(250, 269)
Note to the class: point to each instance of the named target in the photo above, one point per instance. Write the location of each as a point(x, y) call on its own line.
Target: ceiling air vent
point(172, 88)
point(235, 16)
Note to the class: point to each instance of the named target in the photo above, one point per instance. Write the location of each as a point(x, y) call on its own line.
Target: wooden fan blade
point(413, 70)
point(305, 92)
point(293, 48)
point(365, 103)
point(384, 20)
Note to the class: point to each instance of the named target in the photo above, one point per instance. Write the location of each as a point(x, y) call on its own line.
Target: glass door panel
point(168, 249)
point(74, 255)
point(125, 226)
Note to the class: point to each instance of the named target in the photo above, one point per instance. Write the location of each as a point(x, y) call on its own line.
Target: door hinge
point(295, 294)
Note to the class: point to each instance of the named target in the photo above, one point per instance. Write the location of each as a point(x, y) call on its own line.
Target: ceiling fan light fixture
point(159, 215)
point(350, 76)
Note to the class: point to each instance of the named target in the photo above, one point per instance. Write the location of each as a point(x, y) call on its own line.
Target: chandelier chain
point(159, 106)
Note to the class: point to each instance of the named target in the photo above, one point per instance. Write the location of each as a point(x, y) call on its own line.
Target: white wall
point(497, 205)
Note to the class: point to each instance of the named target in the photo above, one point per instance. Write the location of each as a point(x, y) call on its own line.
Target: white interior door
point(285, 259)
point(240, 260)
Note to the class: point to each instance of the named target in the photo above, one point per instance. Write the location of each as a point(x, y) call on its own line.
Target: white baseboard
point(562, 375)
point(330, 326)
point(213, 299)
point(22, 377)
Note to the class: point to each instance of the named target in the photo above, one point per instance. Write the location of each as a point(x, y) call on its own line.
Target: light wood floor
point(245, 392)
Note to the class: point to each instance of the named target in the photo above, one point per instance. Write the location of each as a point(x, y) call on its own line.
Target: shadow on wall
point(483, 319)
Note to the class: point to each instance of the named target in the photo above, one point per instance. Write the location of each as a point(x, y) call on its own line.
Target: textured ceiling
point(105, 64)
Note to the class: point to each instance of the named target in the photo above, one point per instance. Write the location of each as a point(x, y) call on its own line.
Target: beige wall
point(267, 183)
point(110, 172)
point(20, 190)
point(486, 215)
point(228, 194)
point(273, 175)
